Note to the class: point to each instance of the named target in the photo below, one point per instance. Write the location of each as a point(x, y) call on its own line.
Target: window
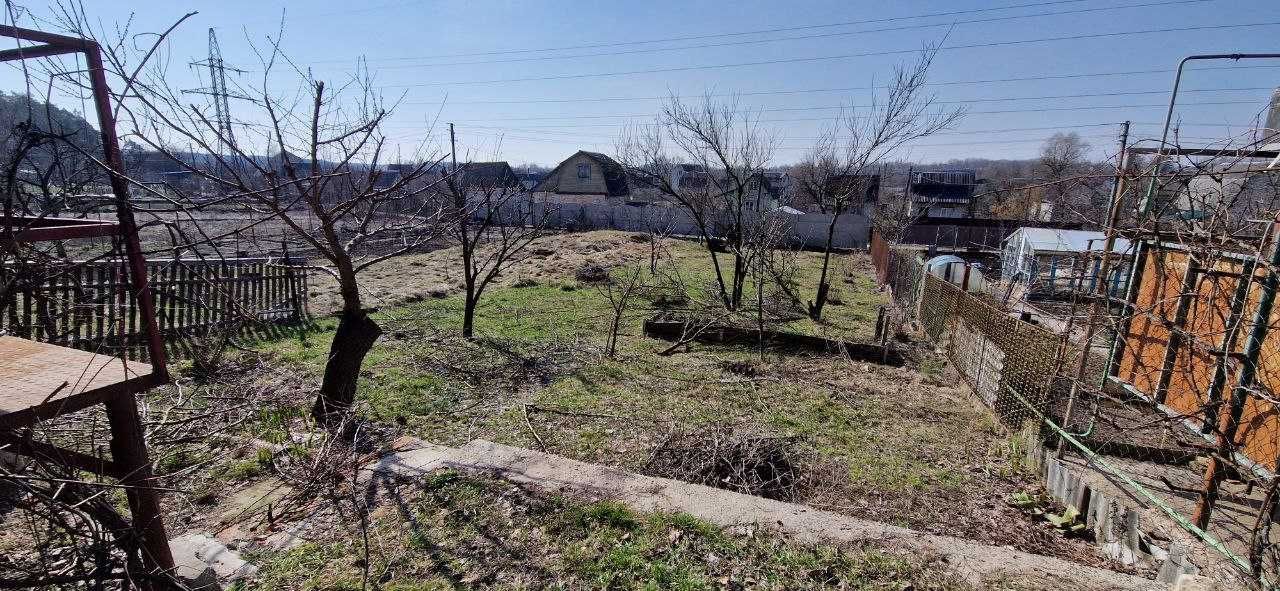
point(584, 171)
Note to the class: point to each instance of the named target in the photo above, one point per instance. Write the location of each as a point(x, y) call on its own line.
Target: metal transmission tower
point(217, 90)
point(218, 78)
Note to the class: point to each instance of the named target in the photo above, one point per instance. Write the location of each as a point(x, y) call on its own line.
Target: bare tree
point(1073, 186)
point(324, 180)
point(619, 294)
point(661, 224)
point(494, 220)
point(729, 153)
point(839, 174)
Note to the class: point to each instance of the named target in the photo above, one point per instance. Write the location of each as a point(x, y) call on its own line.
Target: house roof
point(1056, 240)
point(615, 177)
point(489, 174)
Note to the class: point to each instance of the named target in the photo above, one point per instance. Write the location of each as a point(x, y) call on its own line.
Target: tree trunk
point(468, 317)
point(820, 299)
point(715, 266)
point(355, 337)
point(739, 280)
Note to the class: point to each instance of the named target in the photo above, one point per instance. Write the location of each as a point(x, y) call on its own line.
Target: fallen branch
point(527, 423)
point(570, 413)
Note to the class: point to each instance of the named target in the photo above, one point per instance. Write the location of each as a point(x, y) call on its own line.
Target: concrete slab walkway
point(978, 563)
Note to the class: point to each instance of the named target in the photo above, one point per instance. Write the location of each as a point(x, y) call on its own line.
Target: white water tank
point(951, 268)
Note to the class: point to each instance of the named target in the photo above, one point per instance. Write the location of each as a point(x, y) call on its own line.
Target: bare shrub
point(591, 273)
point(737, 459)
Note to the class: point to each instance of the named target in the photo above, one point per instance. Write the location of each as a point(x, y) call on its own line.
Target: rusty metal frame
point(129, 461)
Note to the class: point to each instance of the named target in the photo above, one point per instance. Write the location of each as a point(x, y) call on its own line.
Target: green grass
point(400, 384)
point(489, 534)
point(540, 346)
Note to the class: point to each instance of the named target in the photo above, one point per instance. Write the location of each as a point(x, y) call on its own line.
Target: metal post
point(1230, 422)
point(124, 210)
point(129, 454)
point(1113, 216)
point(1130, 305)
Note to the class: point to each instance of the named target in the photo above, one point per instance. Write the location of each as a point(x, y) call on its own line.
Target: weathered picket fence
point(89, 305)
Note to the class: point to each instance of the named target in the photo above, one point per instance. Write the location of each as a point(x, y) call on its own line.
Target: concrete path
point(976, 562)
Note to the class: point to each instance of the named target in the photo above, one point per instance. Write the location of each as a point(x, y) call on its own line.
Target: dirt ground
point(416, 277)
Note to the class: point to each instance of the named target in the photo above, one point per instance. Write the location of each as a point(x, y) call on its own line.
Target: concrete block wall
point(1117, 527)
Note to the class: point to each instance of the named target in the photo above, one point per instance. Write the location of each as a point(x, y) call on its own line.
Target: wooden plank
point(184, 291)
point(264, 288)
point(11, 302)
point(61, 301)
point(77, 305)
point(131, 314)
point(101, 301)
point(195, 294)
point(171, 298)
point(115, 300)
point(27, 327)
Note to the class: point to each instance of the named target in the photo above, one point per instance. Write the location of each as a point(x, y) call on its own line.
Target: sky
point(533, 82)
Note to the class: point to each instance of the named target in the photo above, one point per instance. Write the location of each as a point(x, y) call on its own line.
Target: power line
point(982, 100)
point(734, 34)
point(791, 38)
point(855, 88)
point(572, 137)
point(787, 109)
point(971, 143)
point(962, 132)
point(839, 57)
point(569, 135)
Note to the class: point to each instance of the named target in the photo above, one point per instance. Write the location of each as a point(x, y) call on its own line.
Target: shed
point(1053, 262)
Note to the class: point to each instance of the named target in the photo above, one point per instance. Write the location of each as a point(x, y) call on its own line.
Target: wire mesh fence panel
point(992, 351)
point(903, 274)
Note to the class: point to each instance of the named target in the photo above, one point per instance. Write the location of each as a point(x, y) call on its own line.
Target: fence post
point(1136, 273)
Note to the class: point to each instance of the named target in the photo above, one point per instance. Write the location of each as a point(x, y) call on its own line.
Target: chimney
point(1273, 116)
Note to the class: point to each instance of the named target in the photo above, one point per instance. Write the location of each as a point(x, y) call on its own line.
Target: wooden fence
point(88, 305)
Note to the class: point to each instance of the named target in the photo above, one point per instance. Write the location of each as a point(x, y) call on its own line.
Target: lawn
point(454, 531)
point(892, 444)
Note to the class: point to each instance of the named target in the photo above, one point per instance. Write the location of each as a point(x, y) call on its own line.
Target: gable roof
point(1046, 240)
point(615, 177)
point(489, 174)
